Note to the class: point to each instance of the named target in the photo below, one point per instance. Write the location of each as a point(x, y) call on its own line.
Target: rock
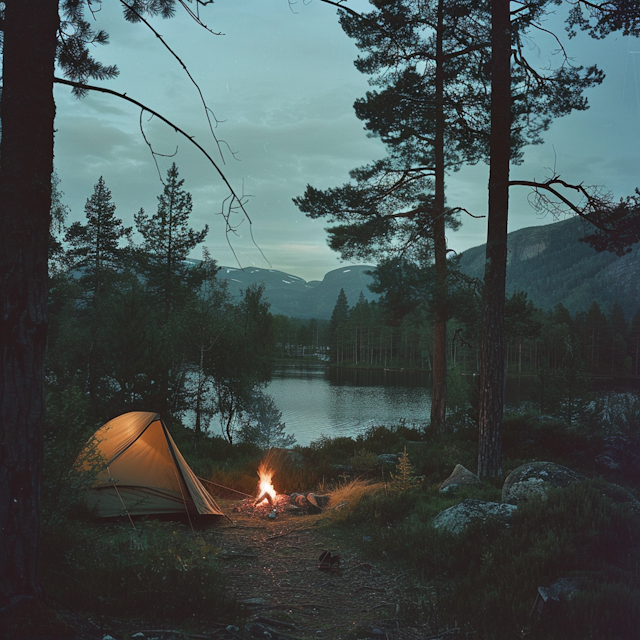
point(535, 479)
point(619, 495)
point(548, 598)
point(460, 476)
point(388, 458)
point(457, 518)
point(620, 453)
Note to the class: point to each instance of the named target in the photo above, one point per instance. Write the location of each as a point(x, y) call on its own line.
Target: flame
point(265, 487)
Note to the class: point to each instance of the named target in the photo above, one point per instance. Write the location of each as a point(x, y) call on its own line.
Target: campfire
point(266, 492)
point(269, 503)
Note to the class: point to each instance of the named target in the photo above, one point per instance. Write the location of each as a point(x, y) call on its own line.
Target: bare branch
point(234, 203)
point(154, 154)
point(591, 201)
point(463, 210)
point(617, 225)
point(207, 109)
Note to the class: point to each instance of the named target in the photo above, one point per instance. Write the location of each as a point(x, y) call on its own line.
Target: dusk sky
point(283, 81)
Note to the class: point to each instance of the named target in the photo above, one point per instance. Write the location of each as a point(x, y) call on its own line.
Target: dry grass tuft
point(346, 497)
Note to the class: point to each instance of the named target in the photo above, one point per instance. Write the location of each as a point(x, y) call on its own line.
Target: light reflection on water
point(316, 400)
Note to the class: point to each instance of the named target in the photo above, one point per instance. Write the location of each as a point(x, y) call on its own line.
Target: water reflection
point(316, 400)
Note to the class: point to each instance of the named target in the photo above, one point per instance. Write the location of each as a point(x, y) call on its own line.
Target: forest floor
point(271, 565)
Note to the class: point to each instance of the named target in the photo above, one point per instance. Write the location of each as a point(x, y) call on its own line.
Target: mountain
point(551, 266)
point(292, 296)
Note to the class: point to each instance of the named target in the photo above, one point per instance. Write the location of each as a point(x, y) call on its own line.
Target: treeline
point(298, 338)
point(135, 327)
point(397, 332)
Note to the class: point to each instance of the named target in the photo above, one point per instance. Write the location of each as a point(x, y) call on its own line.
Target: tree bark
point(492, 361)
point(26, 162)
point(439, 393)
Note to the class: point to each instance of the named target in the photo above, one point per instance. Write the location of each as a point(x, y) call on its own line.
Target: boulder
point(619, 495)
point(388, 458)
point(460, 476)
point(457, 518)
point(535, 479)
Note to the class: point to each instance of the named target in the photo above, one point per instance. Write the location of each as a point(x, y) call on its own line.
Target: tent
point(142, 472)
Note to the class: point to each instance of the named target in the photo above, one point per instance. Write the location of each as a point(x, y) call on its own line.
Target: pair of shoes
point(324, 562)
point(327, 562)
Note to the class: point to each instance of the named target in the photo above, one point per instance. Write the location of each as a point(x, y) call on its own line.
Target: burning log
point(265, 487)
point(261, 498)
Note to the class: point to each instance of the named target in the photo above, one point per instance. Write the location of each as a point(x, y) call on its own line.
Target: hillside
point(294, 297)
point(551, 265)
point(548, 262)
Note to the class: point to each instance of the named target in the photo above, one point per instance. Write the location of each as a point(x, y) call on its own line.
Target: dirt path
point(272, 565)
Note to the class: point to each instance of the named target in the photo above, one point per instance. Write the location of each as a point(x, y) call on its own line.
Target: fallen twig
point(233, 556)
point(275, 623)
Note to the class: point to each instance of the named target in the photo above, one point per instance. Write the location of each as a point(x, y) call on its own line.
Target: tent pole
point(124, 506)
point(175, 470)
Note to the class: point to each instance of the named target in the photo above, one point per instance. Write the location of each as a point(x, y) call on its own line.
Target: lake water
point(317, 400)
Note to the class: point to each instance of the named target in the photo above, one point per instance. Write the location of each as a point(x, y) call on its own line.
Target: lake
point(318, 400)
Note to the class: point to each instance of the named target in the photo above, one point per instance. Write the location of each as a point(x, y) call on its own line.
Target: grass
point(159, 573)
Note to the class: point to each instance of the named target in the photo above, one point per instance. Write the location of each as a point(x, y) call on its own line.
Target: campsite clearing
point(272, 565)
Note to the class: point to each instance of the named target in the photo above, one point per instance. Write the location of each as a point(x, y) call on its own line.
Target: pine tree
point(339, 317)
point(168, 240)
point(95, 252)
point(95, 246)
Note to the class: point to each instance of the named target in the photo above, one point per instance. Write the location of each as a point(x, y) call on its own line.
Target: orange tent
point(143, 472)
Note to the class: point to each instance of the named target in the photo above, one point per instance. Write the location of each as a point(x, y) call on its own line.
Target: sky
point(282, 83)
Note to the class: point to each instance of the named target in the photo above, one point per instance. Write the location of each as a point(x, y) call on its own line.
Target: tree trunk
point(492, 361)
point(439, 393)
point(26, 163)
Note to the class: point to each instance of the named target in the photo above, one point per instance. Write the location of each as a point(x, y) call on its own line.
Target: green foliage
point(168, 240)
point(262, 424)
point(160, 574)
point(68, 430)
point(166, 338)
point(95, 247)
point(364, 462)
point(487, 577)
